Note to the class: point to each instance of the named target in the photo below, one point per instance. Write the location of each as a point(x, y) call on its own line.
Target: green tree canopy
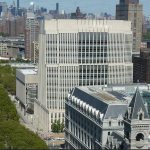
point(8, 78)
point(57, 126)
point(12, 134)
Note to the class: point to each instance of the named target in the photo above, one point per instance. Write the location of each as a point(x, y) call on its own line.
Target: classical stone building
point(107, 118)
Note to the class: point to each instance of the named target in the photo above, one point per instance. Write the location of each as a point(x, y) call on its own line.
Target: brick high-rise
point(31, 33)
point(132, 10)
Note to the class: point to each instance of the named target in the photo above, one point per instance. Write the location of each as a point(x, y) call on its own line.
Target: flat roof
point(104, 95)
point(28, 71)
point(23, 65)
point(117, 94)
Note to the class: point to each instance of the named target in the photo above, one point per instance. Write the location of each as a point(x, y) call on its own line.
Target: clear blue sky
point(94, 6)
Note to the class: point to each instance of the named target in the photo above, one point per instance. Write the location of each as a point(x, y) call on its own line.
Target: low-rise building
point(26, 88)
point(26, 94)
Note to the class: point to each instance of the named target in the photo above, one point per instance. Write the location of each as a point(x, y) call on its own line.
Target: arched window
point(140, 116)
point(139, 137)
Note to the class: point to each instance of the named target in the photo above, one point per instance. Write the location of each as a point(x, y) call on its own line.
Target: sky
point(86, 6)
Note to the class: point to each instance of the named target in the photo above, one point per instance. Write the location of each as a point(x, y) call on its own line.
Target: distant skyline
point(86, 6)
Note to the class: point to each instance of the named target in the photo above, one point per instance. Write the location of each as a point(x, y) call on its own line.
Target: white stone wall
point(41, 115)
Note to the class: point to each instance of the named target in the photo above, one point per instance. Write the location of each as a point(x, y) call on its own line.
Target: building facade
point(3, 50)
point(81, 52)
point(141, 70)
point(26, 88)
point(26, 94)
point(3, 9)
point(31, 33)
point(106, 118)
point(132, 10)
point(35, 52)
point(13, 26)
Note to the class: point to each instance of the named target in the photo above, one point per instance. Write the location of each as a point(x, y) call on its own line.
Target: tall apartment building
point(80, 52)
point(3, 9)
point(13, 26)
point(31, 33)
point(132, 10)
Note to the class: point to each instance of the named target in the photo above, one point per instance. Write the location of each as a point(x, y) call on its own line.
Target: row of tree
point(12, 134)
point(8, 78)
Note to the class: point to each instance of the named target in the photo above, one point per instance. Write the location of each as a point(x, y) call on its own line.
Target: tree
point(62, 127)
point(12, 134)
point(54, 126)
point(8, 78)
point(57, 126)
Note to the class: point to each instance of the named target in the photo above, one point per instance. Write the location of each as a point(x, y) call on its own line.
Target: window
point(110, 123)
point(139, 137)
point(122, 123)
point(140, 116)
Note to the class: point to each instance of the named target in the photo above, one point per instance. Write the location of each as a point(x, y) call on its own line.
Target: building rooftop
point(28, 71)
point(23, 65)
point(136, 104)
point(106, 99)
point(30, 15)
point(102, 94)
